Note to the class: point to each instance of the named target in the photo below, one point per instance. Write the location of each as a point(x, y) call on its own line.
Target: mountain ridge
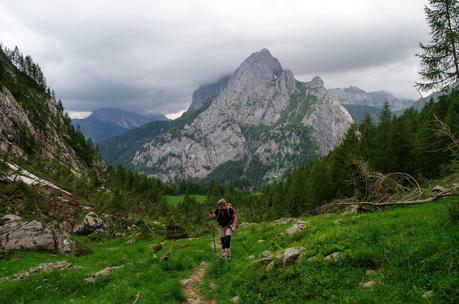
point(353, 95)
point(107, 122)
point(263, 121)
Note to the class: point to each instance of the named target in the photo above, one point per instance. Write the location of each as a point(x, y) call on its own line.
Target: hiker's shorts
point(225, 231)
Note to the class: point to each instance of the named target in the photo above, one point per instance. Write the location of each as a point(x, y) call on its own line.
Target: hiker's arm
point(212, 215)
point(235, 220)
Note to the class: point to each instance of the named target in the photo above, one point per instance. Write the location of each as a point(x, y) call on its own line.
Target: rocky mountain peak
point(257, 92)
point(261, 123)
point(316, 83)
point(316, 88)
point(263, 57)
point(263, 64)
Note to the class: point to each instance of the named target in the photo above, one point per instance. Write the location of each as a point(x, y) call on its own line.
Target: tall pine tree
point(440, 58)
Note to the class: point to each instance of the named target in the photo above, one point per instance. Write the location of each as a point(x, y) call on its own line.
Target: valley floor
point(403, 255)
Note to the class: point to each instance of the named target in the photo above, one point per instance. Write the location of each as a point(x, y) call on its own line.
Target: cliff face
point(206, 93)
point(32, 125)
point(329, 119)
point(261, 124)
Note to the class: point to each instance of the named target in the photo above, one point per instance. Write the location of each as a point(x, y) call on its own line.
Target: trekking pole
point(242, 243)
point(215, 245)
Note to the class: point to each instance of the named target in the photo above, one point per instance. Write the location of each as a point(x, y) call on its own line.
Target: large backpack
point(227, 212)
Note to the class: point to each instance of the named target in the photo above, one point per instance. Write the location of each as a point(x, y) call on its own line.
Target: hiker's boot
point(228, 253)
point(224, 254)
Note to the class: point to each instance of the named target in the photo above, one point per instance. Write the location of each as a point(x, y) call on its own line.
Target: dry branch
point(333, 206)
point(444, 130)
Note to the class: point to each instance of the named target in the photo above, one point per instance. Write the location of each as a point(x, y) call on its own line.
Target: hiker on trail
point(226, 217)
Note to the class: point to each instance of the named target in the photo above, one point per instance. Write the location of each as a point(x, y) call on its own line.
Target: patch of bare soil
point(189, 286)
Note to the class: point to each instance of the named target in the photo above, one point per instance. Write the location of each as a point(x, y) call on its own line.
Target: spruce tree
point(440, 58)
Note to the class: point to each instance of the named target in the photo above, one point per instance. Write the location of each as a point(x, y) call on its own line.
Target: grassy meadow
point(411, 253)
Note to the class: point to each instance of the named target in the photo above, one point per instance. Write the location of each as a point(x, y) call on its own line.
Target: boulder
point(290, 255)
point(91, 222)
point(265, 254)
point(283, 220)
point(100, 274)
point(270, 266)
point(295, 229)
point(333, 256)
point(33, 235)
point(246, 224)
point(428, 294)
point(266, 257)
point(368, 284)
point(370, 272)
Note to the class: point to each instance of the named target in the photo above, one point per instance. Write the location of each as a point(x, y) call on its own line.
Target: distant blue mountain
point(105, 123)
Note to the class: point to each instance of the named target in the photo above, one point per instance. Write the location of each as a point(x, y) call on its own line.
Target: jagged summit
point(316, 83)
point(263, 61)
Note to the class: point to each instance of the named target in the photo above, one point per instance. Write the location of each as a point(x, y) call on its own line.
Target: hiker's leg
point(228, 245)
point(222, 233)
point(228, 234)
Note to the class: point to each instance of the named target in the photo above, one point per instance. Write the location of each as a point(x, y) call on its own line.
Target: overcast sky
point(150, 55)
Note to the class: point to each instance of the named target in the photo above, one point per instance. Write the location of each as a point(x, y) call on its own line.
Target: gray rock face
point(16, 234)
point(294, 229)
point(12, 117)
point(206, 93)
point(101, 274)
point(14, 123)
point(329, 119)
point(333, 256)
point(263, 117)
point(91, 222)
point(290, 255)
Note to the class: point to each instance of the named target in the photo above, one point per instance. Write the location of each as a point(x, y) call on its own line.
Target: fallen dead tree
point(364, 205)
point(385, 190)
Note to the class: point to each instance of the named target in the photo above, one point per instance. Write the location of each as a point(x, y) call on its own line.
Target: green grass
point(176, 199)
point(411, 249)
point(155, 281)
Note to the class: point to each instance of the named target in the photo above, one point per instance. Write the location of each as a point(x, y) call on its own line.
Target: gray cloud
point(151, 55)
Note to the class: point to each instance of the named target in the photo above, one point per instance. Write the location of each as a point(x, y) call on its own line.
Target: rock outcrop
point(44, 267)
point(33, 123)
point(91, 222)
point(206, 93)
point(329, 118)
point(290, 255)
point(17, 234)
point(18, 133)
point(101, 274)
